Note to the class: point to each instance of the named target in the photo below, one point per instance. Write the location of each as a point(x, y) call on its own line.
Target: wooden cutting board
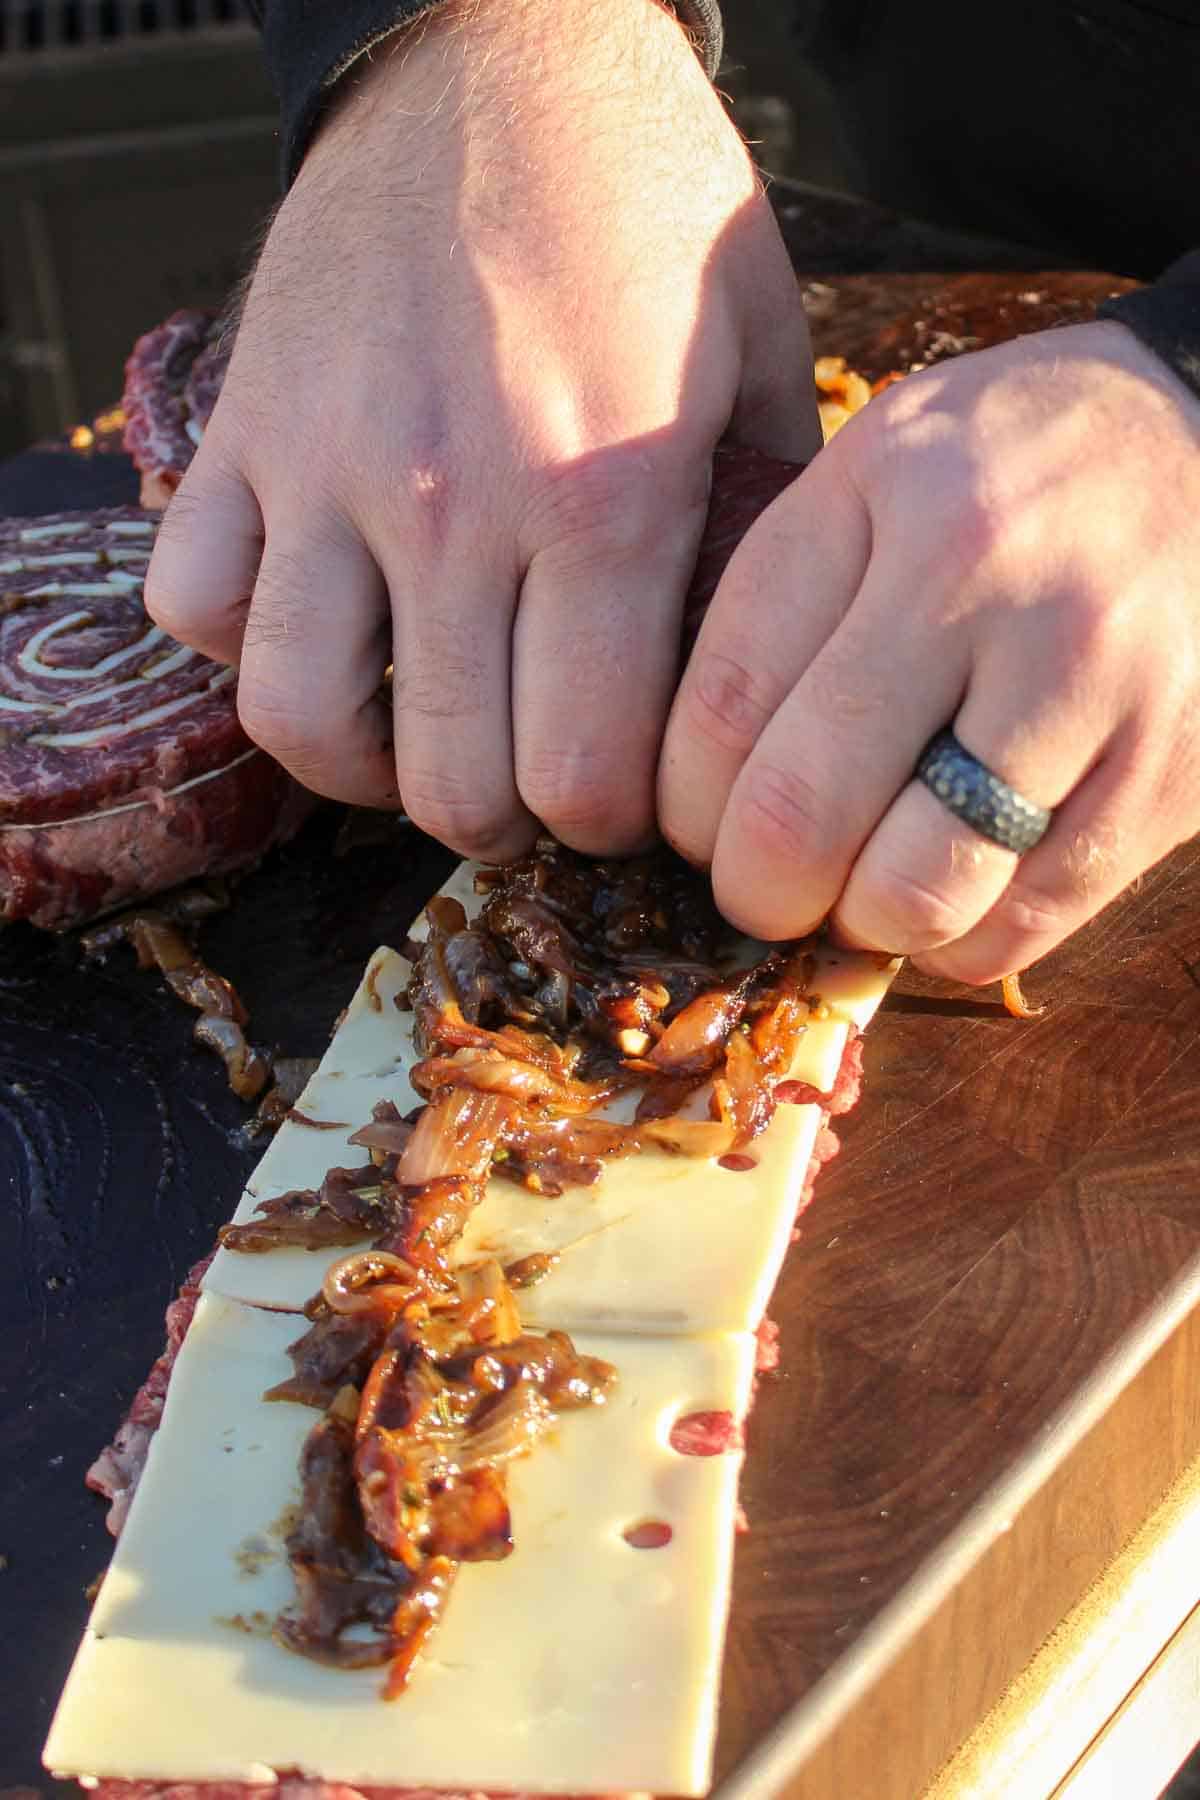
point(990, 1348)
point(991, 1355)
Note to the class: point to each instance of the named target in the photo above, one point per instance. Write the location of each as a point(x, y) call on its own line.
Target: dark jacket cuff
point(310, 44)
point(1166, 317)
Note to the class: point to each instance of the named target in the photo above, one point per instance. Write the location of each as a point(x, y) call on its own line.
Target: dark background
point(137, 159)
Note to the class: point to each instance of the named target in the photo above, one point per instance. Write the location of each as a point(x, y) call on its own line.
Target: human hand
point(523, 284)
point(1009, 543)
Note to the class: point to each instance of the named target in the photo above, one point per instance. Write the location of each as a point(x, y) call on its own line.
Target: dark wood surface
point(1012, 1200)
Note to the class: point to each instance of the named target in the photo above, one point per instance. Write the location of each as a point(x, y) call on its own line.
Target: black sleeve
point(1166, 317)
point(309, 44)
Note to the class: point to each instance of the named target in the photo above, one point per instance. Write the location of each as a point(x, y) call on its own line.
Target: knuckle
point(176, 527)
point(1032, 912)
point(784, 814)
point(166, 604)
point(606, 506)
point(184, 510)
point(423, 495)
point(898, 421)
point(970, 964)
point(909, 914)
point(445, 683)
point(1094, 631)
point(981, 530)
point(864, 455)
point(293, 737)
point(727, 702)
point(215, 477)
point(440, 803)
point(268, 627)
point(413, 476)
point(585, 797)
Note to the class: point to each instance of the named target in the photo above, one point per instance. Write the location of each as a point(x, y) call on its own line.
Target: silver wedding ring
point(967, 788)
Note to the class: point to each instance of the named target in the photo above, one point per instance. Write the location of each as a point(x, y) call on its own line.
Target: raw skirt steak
point(744, 483)
point(123, 769)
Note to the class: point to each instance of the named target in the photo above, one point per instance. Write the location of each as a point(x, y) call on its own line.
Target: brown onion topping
point(369, 1281)
point(1015, 1001)
point(160, 942)
point(578, 981)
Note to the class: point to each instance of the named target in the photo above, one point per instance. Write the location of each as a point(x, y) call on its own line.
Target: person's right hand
point(525, 281)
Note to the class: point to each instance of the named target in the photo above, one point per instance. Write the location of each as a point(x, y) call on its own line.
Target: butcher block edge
point(941, 1655)
point(1110, 1703)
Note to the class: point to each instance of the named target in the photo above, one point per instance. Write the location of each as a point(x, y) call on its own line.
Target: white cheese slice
point(661, 1243)
point(578, 1664)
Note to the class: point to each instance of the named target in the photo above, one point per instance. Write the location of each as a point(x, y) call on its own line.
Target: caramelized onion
point(389, 1134)
point(527, 1271)
point(446, 916)
point(359, 1283)
point(578, 979)
point(245, 1066)
point(455, 1135)
point(1015, 1001)
point(509, 1429)
point(159, 942)
point(693, 1041)
point(690, 1137)
point(490, 1071)
point(488, 1308)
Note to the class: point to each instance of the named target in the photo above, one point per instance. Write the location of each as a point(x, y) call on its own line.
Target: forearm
point(310, 44)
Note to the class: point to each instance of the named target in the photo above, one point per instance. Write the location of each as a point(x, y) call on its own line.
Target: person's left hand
point(1009, 544)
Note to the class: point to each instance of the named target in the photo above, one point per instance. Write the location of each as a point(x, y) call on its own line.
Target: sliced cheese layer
point(661, 1243)
point(578, 1664)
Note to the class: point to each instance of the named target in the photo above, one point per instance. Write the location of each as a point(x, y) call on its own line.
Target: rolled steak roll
point(172, 379)
point(123, 769)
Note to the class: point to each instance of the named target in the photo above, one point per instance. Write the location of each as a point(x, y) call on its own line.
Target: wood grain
point(1066, 1718)
point(1011, 1213)
point(899, 322)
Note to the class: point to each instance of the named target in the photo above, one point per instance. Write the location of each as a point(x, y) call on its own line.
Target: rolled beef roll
point(172, 379)
point(123, 769)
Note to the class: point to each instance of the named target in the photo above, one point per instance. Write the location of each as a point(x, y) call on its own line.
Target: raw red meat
point(118, 1468)
point(705, 1434)
point(172, 379)
point(123, 769)
point(744, 484)
point(766, 1349)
